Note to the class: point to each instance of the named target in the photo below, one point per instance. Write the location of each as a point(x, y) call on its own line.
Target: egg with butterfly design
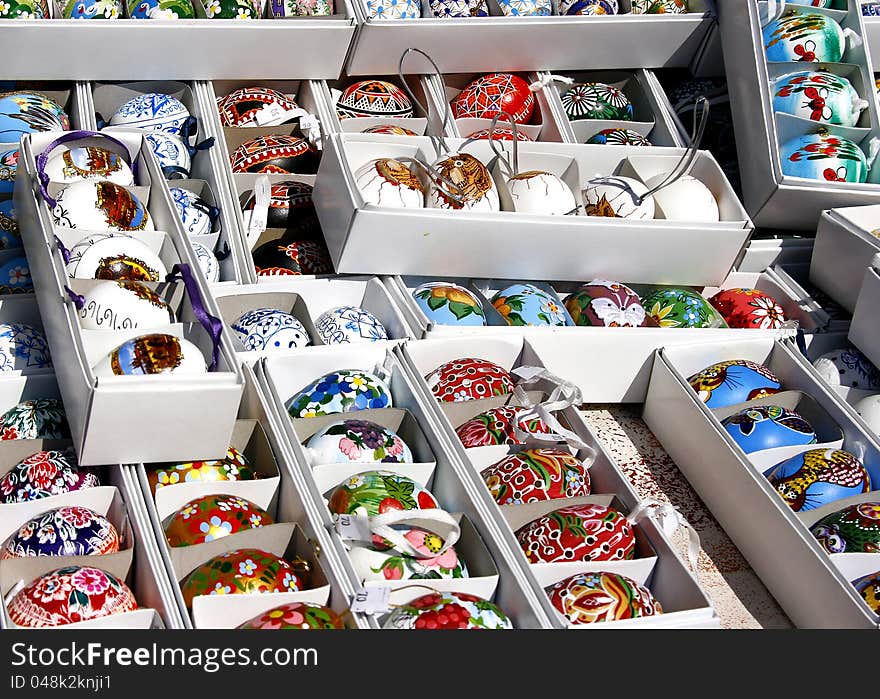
point(609, 304)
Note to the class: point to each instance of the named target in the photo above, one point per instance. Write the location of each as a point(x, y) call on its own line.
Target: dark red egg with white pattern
point(275, 154)
point(499, 133)
point(498, 426)
point(43, 474)
point(213, 517)
point(748, 308)
point(534, 475)
point(469, 379)
point(490, 95)
point(280, 257)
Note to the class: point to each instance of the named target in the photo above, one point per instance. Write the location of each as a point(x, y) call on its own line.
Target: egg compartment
point(21, 308)
point(403, 288)
point(820, 344)
point(863, 332)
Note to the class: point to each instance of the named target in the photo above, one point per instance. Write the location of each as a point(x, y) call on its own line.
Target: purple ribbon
point(214, 326)
point(78, 299)
point(65, 253)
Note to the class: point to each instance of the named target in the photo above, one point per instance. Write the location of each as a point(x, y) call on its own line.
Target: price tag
point(354, 528)
point(274, 114)
point(372, 600)
point(259, 218)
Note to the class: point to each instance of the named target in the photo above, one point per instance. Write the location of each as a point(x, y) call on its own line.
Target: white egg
point(154, 353)
point(388, 182)
point(100, 205)
point(270, 329)
point(191, 210)
point(207, 261)
point(114, 256)
point(848, 368)
point(121, 305)
point(473, 185)
point(686, 199)
point(537, 192)
point(170, 151)
point(23, 347)
point(347, 324)
point(869, 409)
point(88, 163)
point(617, 197)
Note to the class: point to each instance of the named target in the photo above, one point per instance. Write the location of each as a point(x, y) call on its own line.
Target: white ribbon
point(669, 519)
point(311, 128)
point(873, 150)
point(775, 9)
point(858, 106)
point(545, 79)
point(853, 37)
point(259, 218)
point(358, 527)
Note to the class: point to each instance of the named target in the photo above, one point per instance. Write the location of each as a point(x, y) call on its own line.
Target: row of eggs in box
point(446, 9)
point(164, 9)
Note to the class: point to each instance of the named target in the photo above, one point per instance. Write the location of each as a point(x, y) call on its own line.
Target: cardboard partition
point(863, 331)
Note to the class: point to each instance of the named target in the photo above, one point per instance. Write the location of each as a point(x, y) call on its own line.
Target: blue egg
point(736, 381)
point(29, 112)
point(445, 303)
point(341, 391)
point(10, 237)
point(23, 347)
point(270, 329)
point(8, 166)
point(15, 276)
point(527, 304)
point(65, 531)
point(526, 8)
point(170, 151)
point(825, 157)
point(192, 210)
point(817, 477)
point(768, 427)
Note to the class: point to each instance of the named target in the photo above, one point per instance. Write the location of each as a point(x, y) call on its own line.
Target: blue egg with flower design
point(340, 391)
point(527, 304)
point(270, 329)
point(768, 427)
point(347, 324)
point(64, 531)
point(15, 276)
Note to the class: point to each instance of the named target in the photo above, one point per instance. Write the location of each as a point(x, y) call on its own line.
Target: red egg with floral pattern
point(498, 426)
point(595, 597)
point(63, 531)
point(44, 474)
point(490, 95)
point(233, 467)
point(296, 615)
point(469, 379)
point(533, 475)
point(749, 308)
point(212, 517)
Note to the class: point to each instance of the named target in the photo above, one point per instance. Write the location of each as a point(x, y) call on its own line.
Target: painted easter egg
point(70, 595)
point(88, 163)
point(588, 7)
point(868, 586)
point(686, 199)
point(578, 533)
point(659, 7)
point(348, 324)
point(40, 418)
point(445, 303)
point(192, 211)
point(533, 475)
point(469, 379)
point(817, 477)
point(232, 9)
point(824, 157)
point(474, 189)
point(115, 257)
point(607, 304)
point(292, 257)
point(161, 9)
point(595, 597)
point(15, 276)
point(447, 610)
point(389, 130)
point(91, 9)
point(617, 197)
point(156, 353)
point(22, 9)
point(819, 96)
point(23, 347)
point(849, 368)
point(748, 308)
point(207, 261)
point(23, 112)
point(767, 427)
point(240, 107)
point(681, 307)
point(275, 154)
point(375, 492)
point(152, 111)
point(459, 8)
point(121, 305)
point(10, 234)
point(539, 192)
point(526, 8)
point(99, 206)
point(263, 329)
point(854, 529)
point(527, 304)
point(596, 101)
point(373, 98)
point(43, 474)
point(340, 391)
point(64, 531)
point(491, 95)
point(290, 207)
point(296, 615)
point(242, 572)
point(212, 517)
point(804, 37)
point(388, 182)
point(498, 426)
point(734, 381)
point(394, 9)
point(499, 133)
point(619, 137)
point(301, 8)
point(8, 170)
point(357, 441)
point(370, 564)
point(869, 409)
point(172, 153)
point(233, 467)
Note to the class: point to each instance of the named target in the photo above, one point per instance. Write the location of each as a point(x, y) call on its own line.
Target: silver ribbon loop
point(513, 169)
point(545, 79)
point(670, 520)
point(434, 520)
point(438, 139)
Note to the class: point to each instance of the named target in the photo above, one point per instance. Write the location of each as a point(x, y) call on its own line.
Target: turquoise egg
point(527, 304)
point(343, 391)
point(767, 427)
point(804, 37)
point(818, 96)
point(824, 157)
point(445, 303)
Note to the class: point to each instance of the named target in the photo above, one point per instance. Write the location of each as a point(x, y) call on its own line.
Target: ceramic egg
point(748, 308)
point(686, 199)
point(768, 427)
point(24, 112)
point(819, 96)
point(539, 192)
point(192, 211)
point(817, 477)
point(469, 379)
point(870, 8)
point(40, 418)
point(824, 157)
point(290, 207)
point(534, 475)
point(390, 130)
point(8, 170)
point(526, 8)
point(394, 9)
point(15, 276)
point(597, 597)
point(172, 153)
point(681, 307)
point(373, 493)
point(804, 37)
point(115, 257)
point(152, 111)
point(301, 8)
point(607, 304)
point(445, 303)
point(498, 426)
point(527, 304)
point(357, 441)
point(233, 467)
point(242, 572)
point(213, 517)
point(373, 98)
point(23, 347)
point(473, 187)
point(659, 7)
point(459, 8)
point(121, 305)
point(207, 260)
point(270, 329)
point(88, 163)
point(869, 408)
point(23, 9)
point(382, 566)
point(447, 610)
point(296, 615)
point(849, 368)
point(90, 9)
point(348, 324)
point(596, 101)
point(868, 586)
point(292, 257)
point(619, 137)
point(341, 391)
point(240, 107)
point(588, 7)
point(389, 183)
point(275, 154)
point(99, 206)
point(617, 197)
point(64, 531)
point(578, 533)
point(734, 381)
point(10, 234)
point(70, 595)
point(499, 133)
point(854, 529)
point(161, 9)
point(232, 9)
point(43, 474)
point(156, 353)
point(494, 94)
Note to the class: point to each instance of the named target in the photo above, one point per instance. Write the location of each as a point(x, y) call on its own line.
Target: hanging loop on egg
point(545, 79)
point(438, 139)
point(513, 169)
point(438, 180)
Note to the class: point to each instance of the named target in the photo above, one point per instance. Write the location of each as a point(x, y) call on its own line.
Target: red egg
point(500, 133)
point(469, 379)
point(212, 517)
point(496, 426)
point(589, 598)
point(492, 94)
point(748, 308)
point(533, 475)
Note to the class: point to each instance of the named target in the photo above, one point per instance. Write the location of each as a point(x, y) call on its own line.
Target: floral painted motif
point(824, 157)
point(854, 529)
point(680, 307)
point(527, 304)
point(734, 381)
point(848, 367)
point(64, 531)
point(445, 303)
point(448, 610)
point(659, 7)
point(21, 9)
point(748, 308)
point(396, 566)
point(768, 426)
point(589, 598)
point(469, 379)
point(357, 441)
point(349, 324)
point(534, 475)
point(212, 517)
point(341, 391)
point(296, 615)
point(817, 477)
point(375, 492)
point(609, 304)
point(233, 467)
point(818, 96)
point(596, 101)
point(192, 211)
point(23, 347)
point(459, 8)
point(43, 474)
point(42, 418)
point(270, 329)
point(152, 111)
point(301, 8)
point(497, 426)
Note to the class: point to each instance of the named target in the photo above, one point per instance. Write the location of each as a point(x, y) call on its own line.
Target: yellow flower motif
point(659, 314)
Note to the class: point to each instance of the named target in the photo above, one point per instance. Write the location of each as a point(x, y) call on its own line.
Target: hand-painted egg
point(680, 307)
point(767, 427)
point(290, 207)
point(232, 9)
point(64, 531)
point(445, 303)
point(494, 94)
point(292, 257)
point(115, 257)
point(121, 305)
point(617, 197)
point(240, 107)
point(588, 7)
point(388, 182)
point(590, 598)
point(686, 199)
point(578, 533)
point(869, 409)
point(296, 615)
point(868, 586)
point(98, 206)
point(804, 37)
point(152, 111)
point(23, 9)
point(539, 192)
point(70, 595)
point(819, 96)
point(469, 379)
point(447, 610)
point(659, 7)
point(472, 187)
point(207, 260)
point(373, 98)
point(270, 329)
point(394, 9)
point(233, 467)
point(357, 441)
point(44, 474)
point(242, 572)
point(527, 304)
point(156, 353)
point(340, 391)
point(10, 234)
point(15, 276)
point(619, 137)
point(596, 101)
point(301, 8)
point(171, 152)
point(848, 367)
point(812, 3)
point(534, 475)
point(161, 9)
point(274, 154)
point(748, 308)
point(370, 564)
point(212, 517)
point(373, 493)
point(498, 426)
point(607, 304)
point(8, 170)
point(41, 418)
point(25, 112)
point(389, 130)
point(817, 477)
point(824, 157)
point(88, 163)
point(499, 133)
point(854, 529)
point(459, 8)
point(732, 382)
point(23, 347)
point(192, 211)
point(348, 324)
point(526, 8)
point(92, 9)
